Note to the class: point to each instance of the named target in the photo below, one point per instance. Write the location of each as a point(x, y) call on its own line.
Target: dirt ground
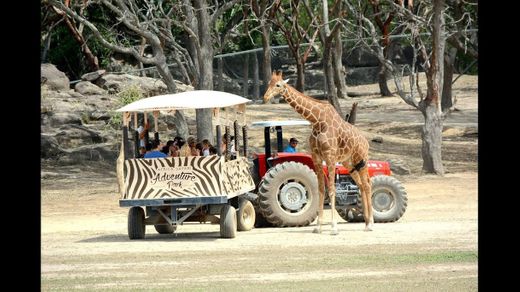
point(433, 247)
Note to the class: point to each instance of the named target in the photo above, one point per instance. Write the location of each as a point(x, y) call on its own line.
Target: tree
point(297, 28)
point(329, 37)
point(426, 18)
point(264, 11)
point(384, 27)
point(159, 24)
point(461, 17)
point(135, 23)
point(199, 20)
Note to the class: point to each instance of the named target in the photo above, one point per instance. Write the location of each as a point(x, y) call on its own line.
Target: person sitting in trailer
point(155, 152)
point(178, 142)
point(225, 143)
point(212, 150)
point(143, 134)
point(205, 147)
point(166, 149)
point(189, 148)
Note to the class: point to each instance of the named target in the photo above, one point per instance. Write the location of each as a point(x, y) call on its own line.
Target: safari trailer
point(166, 192)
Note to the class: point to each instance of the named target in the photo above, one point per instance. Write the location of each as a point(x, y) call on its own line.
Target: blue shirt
point(154, 154)
point(290, 149)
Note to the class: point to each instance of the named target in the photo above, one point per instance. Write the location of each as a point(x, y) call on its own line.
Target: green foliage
point(126, 96)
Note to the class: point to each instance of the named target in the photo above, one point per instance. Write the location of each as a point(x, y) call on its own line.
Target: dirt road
point(433, 247)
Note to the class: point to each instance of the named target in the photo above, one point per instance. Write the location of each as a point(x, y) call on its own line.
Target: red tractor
point(287, 186)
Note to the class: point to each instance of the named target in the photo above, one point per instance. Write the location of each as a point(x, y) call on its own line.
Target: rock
point(49, 147)
point(62, 118)
point(95, 152)
point(92, 76)
point(53, 78)
point(72, 136)
point(117, 83)
point(398, 166)
point(377, 139)
point(87, 88)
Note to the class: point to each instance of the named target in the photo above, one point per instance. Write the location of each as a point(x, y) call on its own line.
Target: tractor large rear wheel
point(288, 195)
point(389, 202)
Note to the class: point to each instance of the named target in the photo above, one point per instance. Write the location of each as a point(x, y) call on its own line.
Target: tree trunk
point(179, 119)
point(449, 60)
point(204, 116)
point(300, 79)
point(329, 79)
point(245, 76)
point(266, 64)
point(256, 81)
point(430, 106)
point(338, 69)
point(383, 86)
point(46, 47)
point(220, 73)
point(432, 141)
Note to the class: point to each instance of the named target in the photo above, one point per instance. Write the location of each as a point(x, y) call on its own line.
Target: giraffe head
point(276, 86)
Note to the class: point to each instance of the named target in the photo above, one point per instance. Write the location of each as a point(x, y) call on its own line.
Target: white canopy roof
point(280, 123)
point(195, 99)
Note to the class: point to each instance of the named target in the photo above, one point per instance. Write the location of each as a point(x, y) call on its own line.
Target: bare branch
point(95, 31)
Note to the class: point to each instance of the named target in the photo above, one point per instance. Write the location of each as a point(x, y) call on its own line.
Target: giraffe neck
point(306, 106)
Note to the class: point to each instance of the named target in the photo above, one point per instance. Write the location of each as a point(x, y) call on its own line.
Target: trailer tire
point(136, 226)
point(246, 215)
point(288, 195)
point(228, 221)
point(165, 229)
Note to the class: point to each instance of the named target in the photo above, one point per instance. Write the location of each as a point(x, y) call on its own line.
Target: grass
point(370, 268)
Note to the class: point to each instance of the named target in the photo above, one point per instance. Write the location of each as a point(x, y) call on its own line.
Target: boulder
point(87, 88)
point(92, 76)
point(53, 78)
point(398, 166)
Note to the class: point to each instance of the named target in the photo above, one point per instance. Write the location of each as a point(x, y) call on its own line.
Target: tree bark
point(329, 79)
point(266, 64)
point(383, 86)
point(432, 141)
point(245, 76)
point(256, 78)
point(430, 106)
point(204, 116)
point(162, 67)
point(339, 72)
point(220, 69)
point(300, 72)
point(449, 60)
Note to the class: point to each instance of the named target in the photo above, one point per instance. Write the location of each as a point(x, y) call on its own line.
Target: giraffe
point(332, 140)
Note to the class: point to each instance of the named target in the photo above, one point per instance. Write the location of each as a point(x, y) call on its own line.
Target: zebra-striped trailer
point(194, 188)
point(165, 192)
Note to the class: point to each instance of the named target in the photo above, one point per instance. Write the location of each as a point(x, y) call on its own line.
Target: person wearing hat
point(291, 148)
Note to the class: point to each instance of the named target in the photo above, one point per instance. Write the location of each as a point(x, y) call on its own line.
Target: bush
point(126, 96)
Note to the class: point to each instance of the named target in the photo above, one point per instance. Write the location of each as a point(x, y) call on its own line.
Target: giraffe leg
point(362, 180)
point(331, 165)
point(321, 188)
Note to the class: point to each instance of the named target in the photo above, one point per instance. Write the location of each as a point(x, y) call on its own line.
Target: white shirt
point(140, 130)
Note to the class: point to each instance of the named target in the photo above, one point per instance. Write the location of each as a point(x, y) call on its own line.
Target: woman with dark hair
point(166, 148)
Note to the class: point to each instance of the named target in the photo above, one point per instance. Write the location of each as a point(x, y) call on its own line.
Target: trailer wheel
point(165, 229)
point(245, 215)
point(228, 221)
point(136, 226)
